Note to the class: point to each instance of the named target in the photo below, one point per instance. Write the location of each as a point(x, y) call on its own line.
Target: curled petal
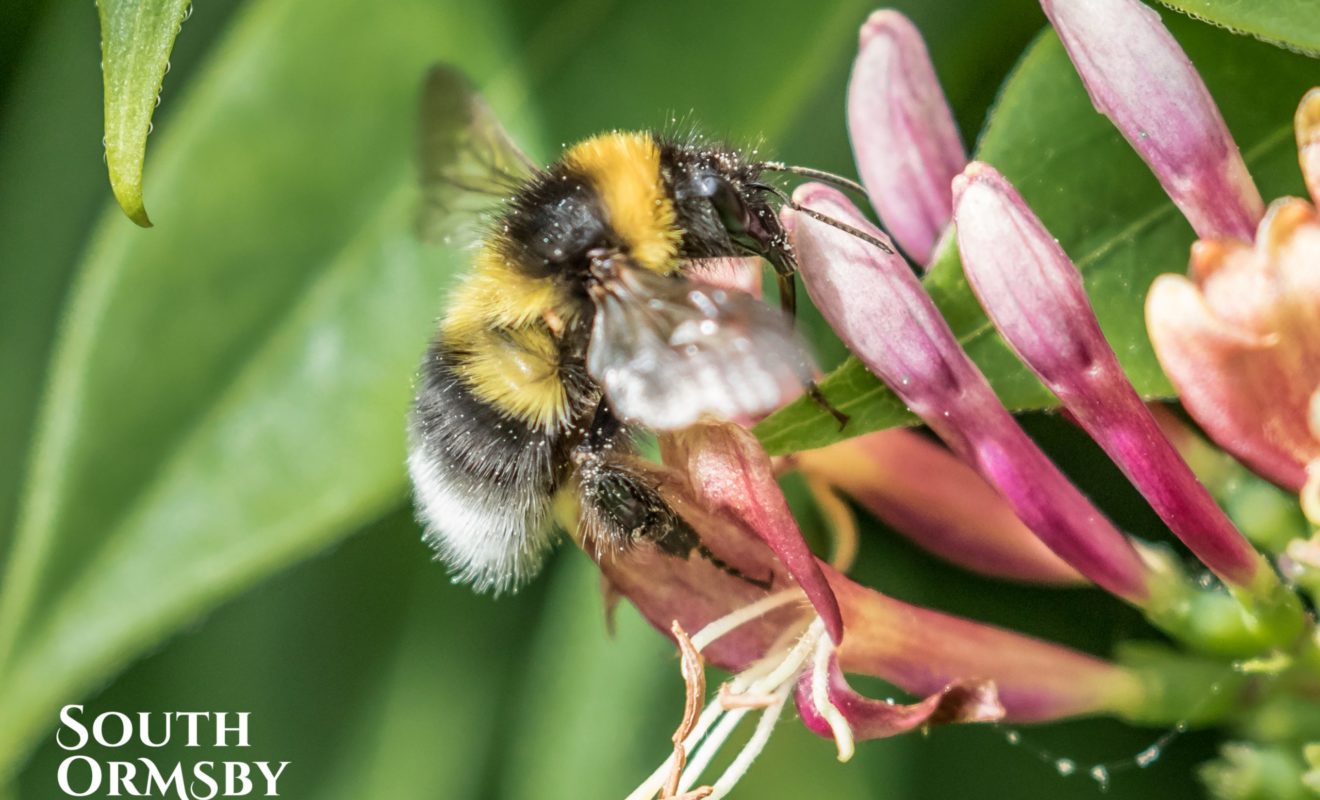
point(1034, 295)
point(928, 494)
point(1307, 124)
point(903, 134)
point(1140, 78)
point(877, 306)
point(732, 476)
point(925, 652)
point(965, 701)
point(1243, 346)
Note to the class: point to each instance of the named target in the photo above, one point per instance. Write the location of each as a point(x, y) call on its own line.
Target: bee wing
point(468, 163)
point(668, 350)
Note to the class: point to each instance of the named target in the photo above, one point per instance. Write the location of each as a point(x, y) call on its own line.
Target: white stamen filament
point(743, 761)
point(820, 698)
point(706, 751)
point(656, 780)
point(772, 676)
point(722, 626)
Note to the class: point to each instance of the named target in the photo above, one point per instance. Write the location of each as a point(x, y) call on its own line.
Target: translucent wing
point(667, 351)
point(468, 162)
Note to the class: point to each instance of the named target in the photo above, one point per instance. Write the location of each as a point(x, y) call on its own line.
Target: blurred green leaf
point(1102, 204)
point(136, 39)
point(1294, 24)
point(53, 186)
point(599, 699)
point(284, 310)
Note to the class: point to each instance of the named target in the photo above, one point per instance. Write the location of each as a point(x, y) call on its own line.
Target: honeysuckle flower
point(927, 494)
point(1240, 338)
point(877, 306)
point(775, 632)
point(1140, 78)
point(1035, 297)
point(904, 138)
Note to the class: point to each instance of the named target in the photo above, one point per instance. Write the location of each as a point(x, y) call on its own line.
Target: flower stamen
point(839, 521)
point(766, 684)
point(722, 626)
point(820, 698)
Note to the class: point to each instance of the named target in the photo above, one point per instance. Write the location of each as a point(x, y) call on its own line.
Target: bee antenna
point(828, 220)
point(816, 174)
point(841, 225)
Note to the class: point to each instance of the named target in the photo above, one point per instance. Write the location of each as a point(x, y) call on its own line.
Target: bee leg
point(603, 430)
point(813, 391)
point(623, 509)
point(787, 293)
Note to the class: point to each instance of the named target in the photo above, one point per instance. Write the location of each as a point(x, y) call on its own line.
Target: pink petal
point(877, 306)
point(1035, 297)
point(1140, 78)
point(928, 494)
point(967, 701)
point(731, 476)
point(903, 134)
point(1307, 125)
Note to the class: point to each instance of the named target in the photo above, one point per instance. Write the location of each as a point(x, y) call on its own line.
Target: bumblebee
point(581, 316)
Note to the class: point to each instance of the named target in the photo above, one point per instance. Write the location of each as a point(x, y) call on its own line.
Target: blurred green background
point(206, 418)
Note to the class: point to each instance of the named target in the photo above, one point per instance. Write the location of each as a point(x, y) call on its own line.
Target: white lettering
point(125, 729)
point(271, 777)
point(66, 719)
point(122, 774)
point(192, 717)
point(236, 771)
point(144, 730)
point(241, 728)
point(204, 775)
point(157, 780)
point(93, 784)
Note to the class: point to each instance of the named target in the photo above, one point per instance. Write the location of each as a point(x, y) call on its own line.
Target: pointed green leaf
point(1099, 200)
point(136, 39)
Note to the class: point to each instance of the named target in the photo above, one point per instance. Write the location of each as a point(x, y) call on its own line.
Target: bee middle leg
point(785, 277)
point(621, 507)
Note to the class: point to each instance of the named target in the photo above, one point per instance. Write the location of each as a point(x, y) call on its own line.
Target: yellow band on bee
point(624, 169)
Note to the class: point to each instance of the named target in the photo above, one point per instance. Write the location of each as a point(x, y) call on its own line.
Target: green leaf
point(1292, 24)
point(136, 39)
point(48, 197)
point(1099, 200)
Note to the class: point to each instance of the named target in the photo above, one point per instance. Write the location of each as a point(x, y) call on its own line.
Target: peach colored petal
point(1307, 125)
point(1230, 380)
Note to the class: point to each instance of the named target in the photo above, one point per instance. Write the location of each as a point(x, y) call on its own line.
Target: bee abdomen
point(483, 480)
